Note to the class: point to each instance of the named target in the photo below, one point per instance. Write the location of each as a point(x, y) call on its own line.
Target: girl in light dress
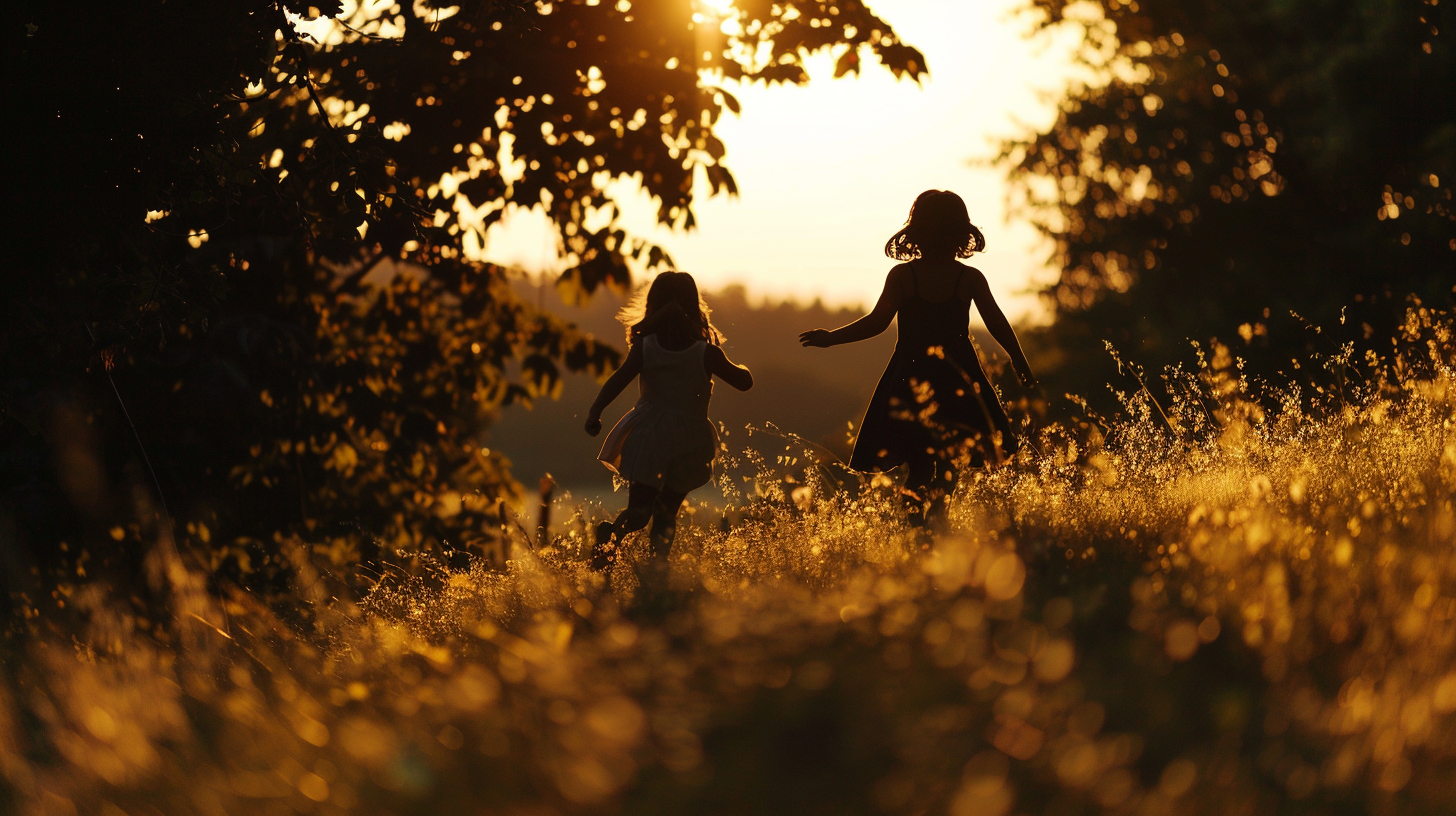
point(934, 410)
point(664, 446)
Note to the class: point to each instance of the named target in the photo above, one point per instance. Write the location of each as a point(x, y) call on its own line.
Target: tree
point(243, 272)
point(1239, 161)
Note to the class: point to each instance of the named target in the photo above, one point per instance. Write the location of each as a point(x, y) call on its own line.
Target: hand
point(593, 426)
point(815, 338)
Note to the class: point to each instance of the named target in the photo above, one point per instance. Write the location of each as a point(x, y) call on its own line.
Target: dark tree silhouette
point(240, 240)
point(1242, 161)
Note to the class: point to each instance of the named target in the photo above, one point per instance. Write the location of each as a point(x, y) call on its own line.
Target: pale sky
point(827, 171)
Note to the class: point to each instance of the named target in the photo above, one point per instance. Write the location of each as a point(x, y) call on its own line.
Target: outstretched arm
point(1001, 330)
point(726, 370)
point(866, 327)
point(613, 388)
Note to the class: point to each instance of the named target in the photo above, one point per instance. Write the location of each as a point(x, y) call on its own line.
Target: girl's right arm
point(871, 325)
point(613, 388)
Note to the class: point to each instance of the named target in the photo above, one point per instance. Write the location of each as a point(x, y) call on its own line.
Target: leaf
point(902, 59)
point(848, 63)
point(657, 257)
point(720, 180)
point(731, 101)
point(570, 289)
point(484, 188)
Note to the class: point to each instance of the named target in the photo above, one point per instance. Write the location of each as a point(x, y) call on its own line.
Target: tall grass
point(1213, 605)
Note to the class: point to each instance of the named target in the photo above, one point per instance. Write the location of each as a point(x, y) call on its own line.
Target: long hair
point(938, 221)
point(666, 288)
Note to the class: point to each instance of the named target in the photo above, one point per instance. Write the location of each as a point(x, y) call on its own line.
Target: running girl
point(934, 409)
point(664, 446)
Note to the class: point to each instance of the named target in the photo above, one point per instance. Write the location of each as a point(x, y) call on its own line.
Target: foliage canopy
point(1238, 161)
point(252, 230)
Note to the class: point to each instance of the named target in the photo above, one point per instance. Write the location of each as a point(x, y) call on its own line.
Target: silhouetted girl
point(934, 409)
point(664, 446)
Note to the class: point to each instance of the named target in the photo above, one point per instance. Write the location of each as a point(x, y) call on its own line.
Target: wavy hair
point(938, 221)
point(667, 288)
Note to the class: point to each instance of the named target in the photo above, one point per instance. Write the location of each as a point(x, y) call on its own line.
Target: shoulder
point(899, 271)
point(971, 273)
point(973, 282)
point(900, 279)
point(713, 357)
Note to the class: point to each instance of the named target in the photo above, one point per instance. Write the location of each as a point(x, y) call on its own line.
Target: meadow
point(1240, 600)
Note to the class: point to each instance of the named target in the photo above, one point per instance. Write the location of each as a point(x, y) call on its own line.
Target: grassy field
point(1213, 606)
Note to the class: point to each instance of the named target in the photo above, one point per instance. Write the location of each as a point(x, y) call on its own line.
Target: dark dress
point(933, 401)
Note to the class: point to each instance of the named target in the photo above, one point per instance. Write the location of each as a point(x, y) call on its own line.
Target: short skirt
point(924, 405)
point(661, 448)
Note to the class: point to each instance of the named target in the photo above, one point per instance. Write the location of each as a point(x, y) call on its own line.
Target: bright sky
point(827, 171)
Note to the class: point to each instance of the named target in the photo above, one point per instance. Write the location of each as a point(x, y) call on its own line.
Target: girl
point(934, 407)
point(664, 446)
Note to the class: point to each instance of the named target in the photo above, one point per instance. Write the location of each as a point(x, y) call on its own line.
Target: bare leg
point(664, 521)
point(928, 485)
point(942, 484)
point(917, 487)
point(641, 501)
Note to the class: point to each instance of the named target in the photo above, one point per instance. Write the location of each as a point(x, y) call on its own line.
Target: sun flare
point(715, 8)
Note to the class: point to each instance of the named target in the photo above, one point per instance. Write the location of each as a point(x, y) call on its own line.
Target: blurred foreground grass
point(1220, 609)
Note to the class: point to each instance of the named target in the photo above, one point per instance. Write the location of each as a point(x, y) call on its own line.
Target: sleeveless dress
point(666, 440)
point(934, 398)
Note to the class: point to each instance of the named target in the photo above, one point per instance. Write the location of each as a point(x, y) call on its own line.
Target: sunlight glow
point(715, 8)
point(827, 171)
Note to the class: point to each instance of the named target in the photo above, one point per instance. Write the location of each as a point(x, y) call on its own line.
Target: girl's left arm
point(726, 370)
point(1001, 330)
point(613, 388)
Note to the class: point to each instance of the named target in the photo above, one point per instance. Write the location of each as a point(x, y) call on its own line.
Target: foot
point(604, 550)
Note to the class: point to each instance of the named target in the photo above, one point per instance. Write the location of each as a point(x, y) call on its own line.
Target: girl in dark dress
point(934, 410)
